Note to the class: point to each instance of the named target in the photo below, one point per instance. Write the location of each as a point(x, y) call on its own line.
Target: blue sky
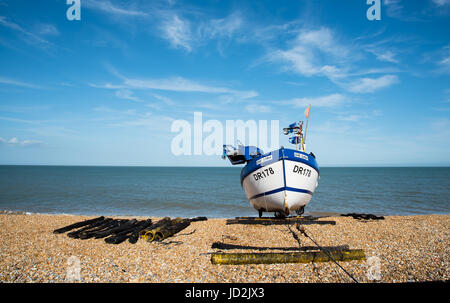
point(105, 90)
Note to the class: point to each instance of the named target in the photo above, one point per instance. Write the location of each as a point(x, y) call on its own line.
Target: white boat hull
point(285, 183)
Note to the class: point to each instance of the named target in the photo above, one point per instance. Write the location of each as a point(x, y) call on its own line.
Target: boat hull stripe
point(293, 189)
point(278, 155)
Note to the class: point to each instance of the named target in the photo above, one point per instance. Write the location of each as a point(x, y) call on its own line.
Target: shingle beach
point(408, 248)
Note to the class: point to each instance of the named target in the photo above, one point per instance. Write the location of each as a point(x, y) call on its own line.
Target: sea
point(214, 192)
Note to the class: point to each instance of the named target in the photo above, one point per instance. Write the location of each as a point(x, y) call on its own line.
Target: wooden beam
point(290, 257)
point(274, 221)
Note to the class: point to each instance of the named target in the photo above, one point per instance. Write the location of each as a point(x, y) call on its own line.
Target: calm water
point(213, 192)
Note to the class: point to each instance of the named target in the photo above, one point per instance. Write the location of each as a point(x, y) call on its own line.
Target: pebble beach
point(403, 249)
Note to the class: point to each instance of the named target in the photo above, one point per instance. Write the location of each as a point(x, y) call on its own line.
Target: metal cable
point(302, 230)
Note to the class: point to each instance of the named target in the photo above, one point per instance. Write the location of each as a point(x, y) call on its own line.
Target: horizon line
point(193, 166)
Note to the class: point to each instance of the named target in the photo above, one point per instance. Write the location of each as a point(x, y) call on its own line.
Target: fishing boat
point(281, 181)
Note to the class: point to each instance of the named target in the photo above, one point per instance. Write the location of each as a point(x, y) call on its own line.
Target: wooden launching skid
point(329, 254)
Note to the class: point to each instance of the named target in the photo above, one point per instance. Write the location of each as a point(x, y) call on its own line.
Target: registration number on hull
point(264, 173)
point(302, 171)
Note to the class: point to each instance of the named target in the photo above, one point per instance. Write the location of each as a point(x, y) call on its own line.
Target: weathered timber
point(74, 234)
point(116, 229)
point(152, 234)
point(277, 221)
point(196, 219)
point(166, 227)
point(77, 225)
point(133, 238)
point(170, 230)
point(125, 234)
point(92, 232)
point(363, 216)
point(147, 233)
point(221, 245)
point(290, 257)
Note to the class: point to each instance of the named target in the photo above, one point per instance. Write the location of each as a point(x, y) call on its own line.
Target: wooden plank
point(225, 246)
point(290, 257)
point(275, 221)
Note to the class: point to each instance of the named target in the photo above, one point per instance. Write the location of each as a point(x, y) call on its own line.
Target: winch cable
point(301, 229)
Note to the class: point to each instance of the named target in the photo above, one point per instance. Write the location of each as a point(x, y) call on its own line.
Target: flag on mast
point(307, 111)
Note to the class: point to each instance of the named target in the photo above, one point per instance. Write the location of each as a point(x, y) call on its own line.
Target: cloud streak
point(107, 7)
point(370, 85)
point(332, 100)
point(25, 35)
point(178, 32)
point(16, 142)
point(174, 84)
point(9, 81)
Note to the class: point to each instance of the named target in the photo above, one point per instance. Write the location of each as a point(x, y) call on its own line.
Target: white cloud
point(30, 142)
point(351, 118)
point(14, 82)
point(320, 53)
point(176, 84)
point(332, 100)
point(128, 112)
point(107, 7)
point(178, 32)
point(257, 108)
point(127, 94)
point(13, 141)
point(441, 2)
point(164, 99)
point(369, 85)
point(224, 27)
point(314, 52)
point(25, 35)
point(444, 60)
point(47, 29)
point(324, 40)
point(359, 116)
point(16, 142)
point(19, 120)
point(384, 55)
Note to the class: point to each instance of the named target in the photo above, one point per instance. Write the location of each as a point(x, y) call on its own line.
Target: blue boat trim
point(298, 190)
point(277, 155)
point(284, 170)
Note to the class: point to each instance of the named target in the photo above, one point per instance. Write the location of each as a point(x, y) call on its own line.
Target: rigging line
point(302, 230)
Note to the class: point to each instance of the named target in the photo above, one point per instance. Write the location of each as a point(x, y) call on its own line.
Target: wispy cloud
point(127, 94)
point(222, 27)
point(47, 29)
point(164, 99)
point(258, 108)
point(178, 32)
point(27, 36)
point(180, 84)
point(443, 63)
point(110, 8)
point(18, 120)
point(14, 82)
point(359, 116)
point(441, 2)
point(320, 53)
point(313, 53)
point(175, 84)
point(369, 85)
point(128, 112)
point(384, 55)
point(191, 30)
point(332, 100)
point(134, 118)
point(16, 142)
